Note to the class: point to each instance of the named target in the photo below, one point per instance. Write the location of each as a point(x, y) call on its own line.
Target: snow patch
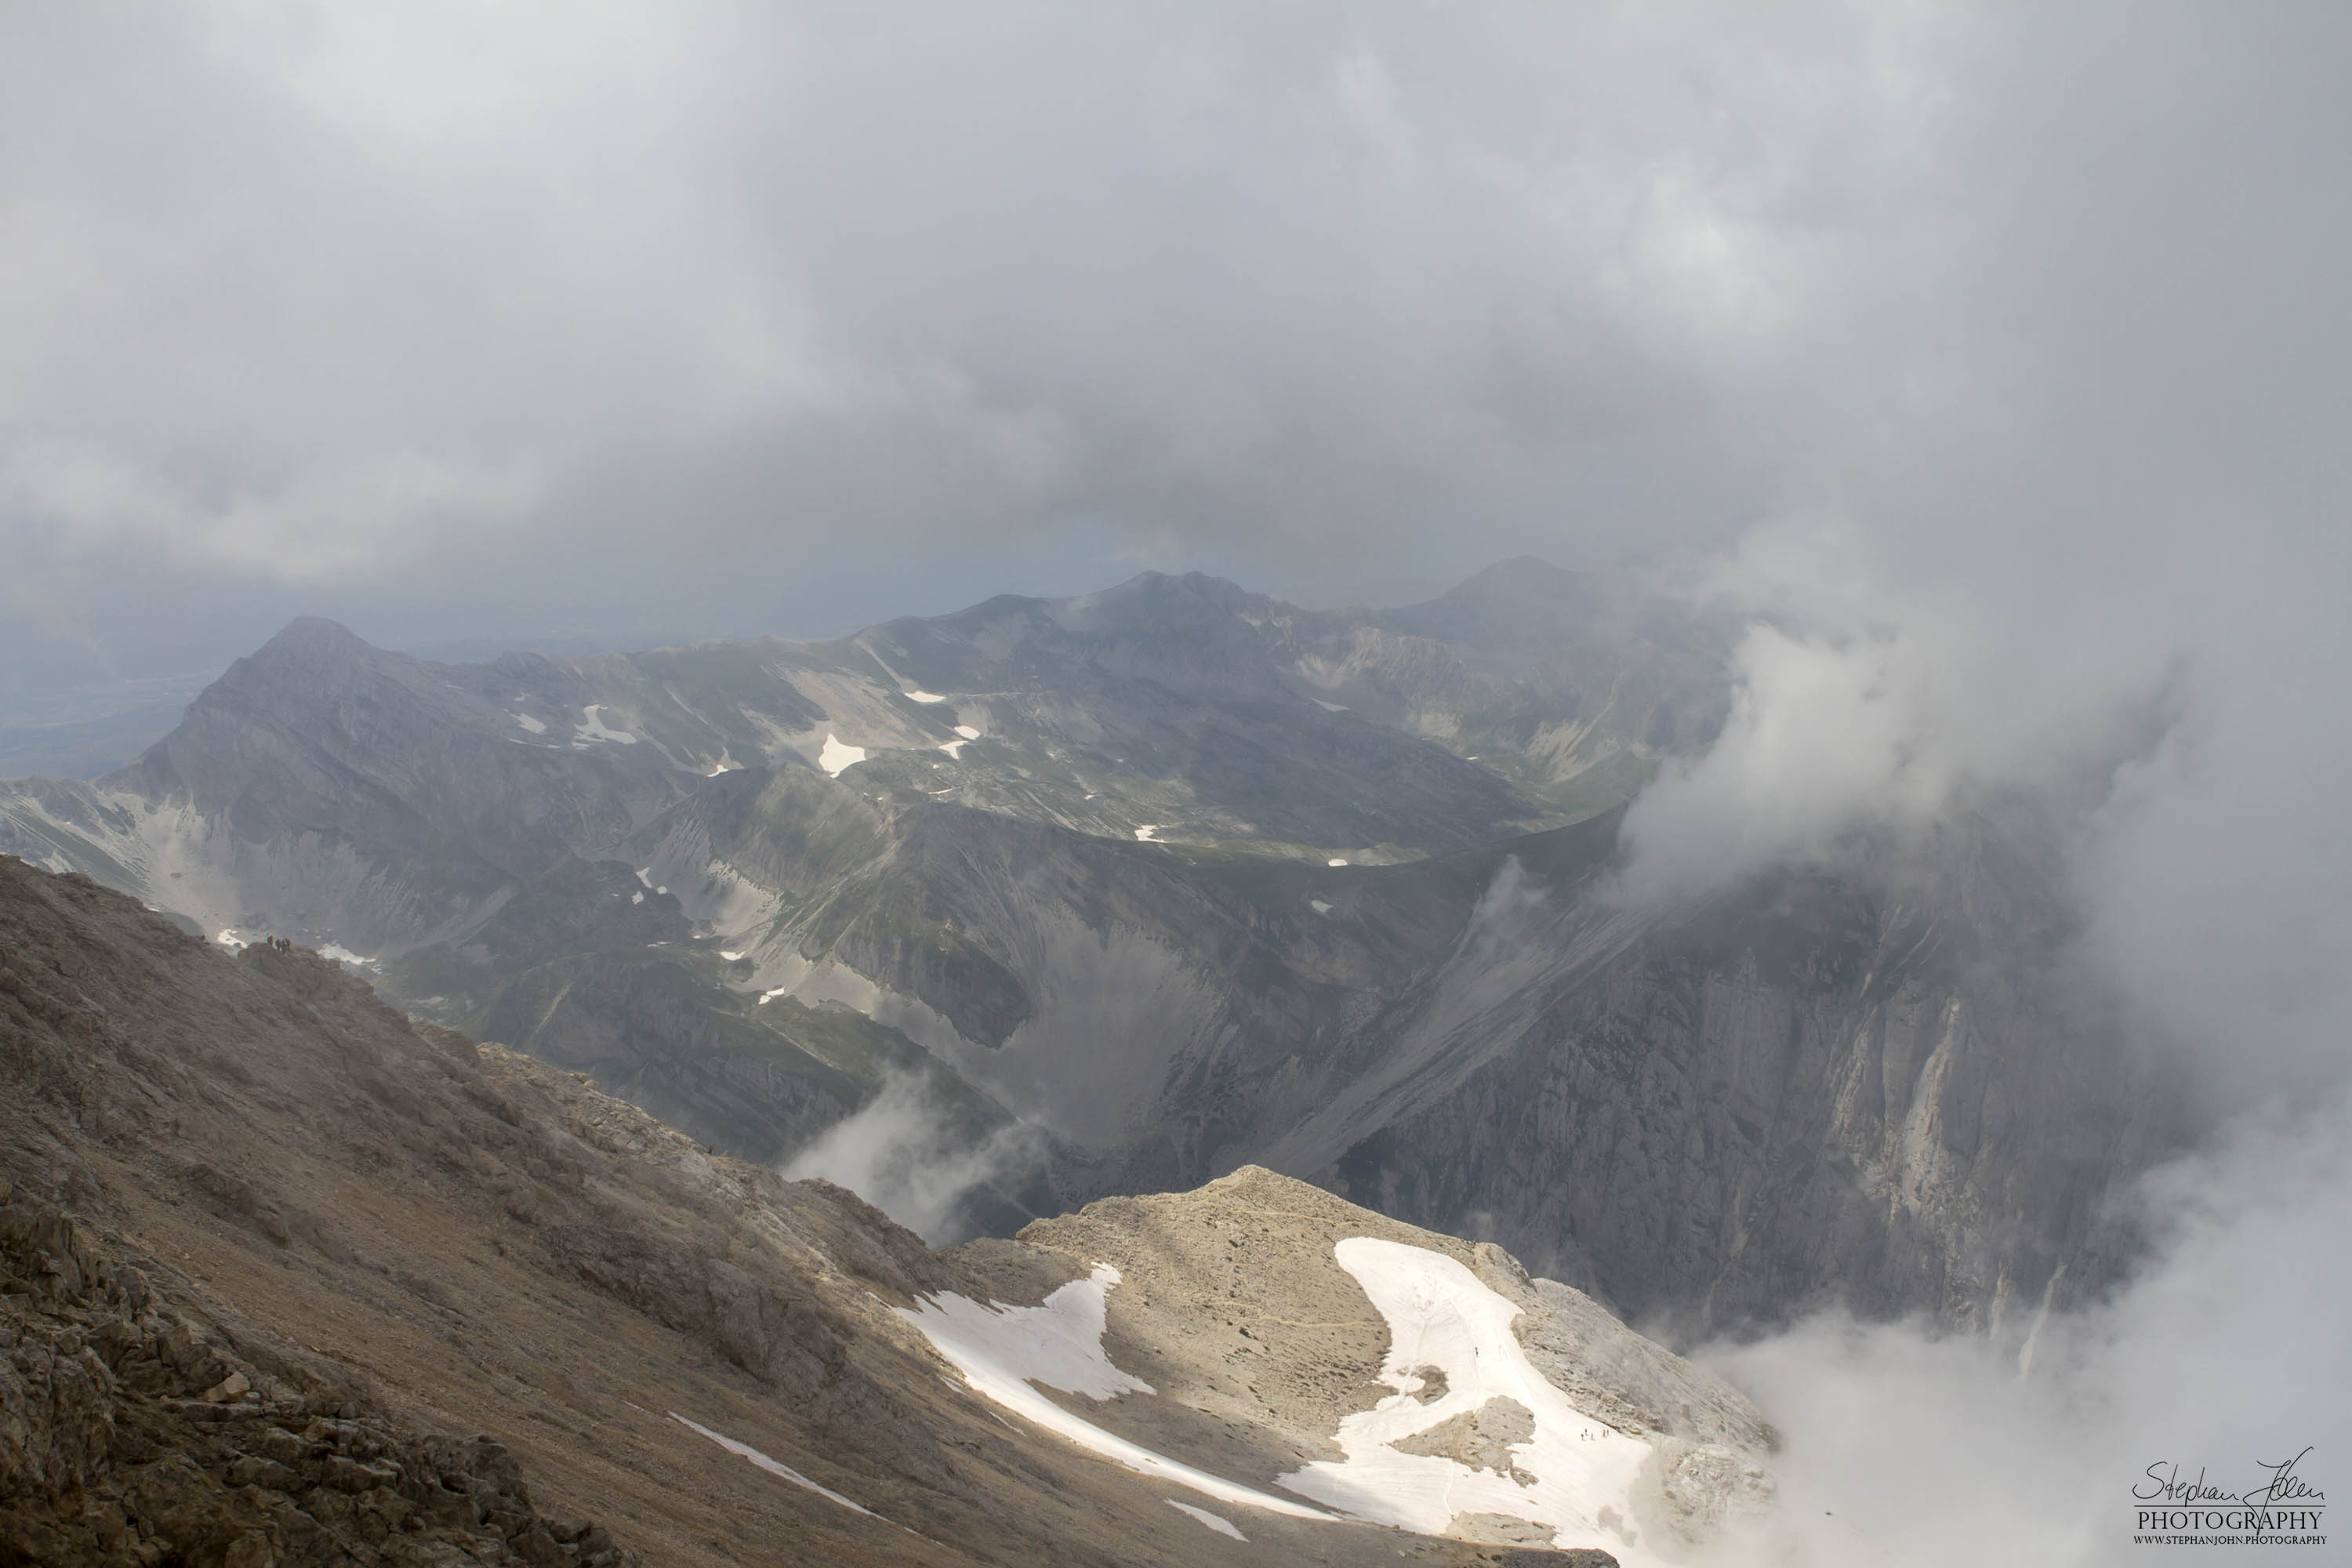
point(768, 996)
point(231, 939)
point(1440, 1315)
point(1144, 833)
point(342, 955)
point(1217, 1523)
point(591, 728)
point(773, 1467)
point(925, 697)
point(954, 747)
point(730, 957)
point(1328, 707)
point(530, 723)
point(636, 898)
point(1339, 862)
point(1001, 1351)
point(1058, 1345)
point(1319, 906)
point(837, 756)
point(967, 732)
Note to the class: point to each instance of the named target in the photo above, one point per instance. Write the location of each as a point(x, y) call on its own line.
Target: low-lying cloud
point(2224, 1354)
point(906, 1153)
point(2102, 571)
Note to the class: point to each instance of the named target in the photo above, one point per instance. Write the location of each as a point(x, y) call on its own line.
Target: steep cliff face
point(1807, 1095)
point(326, 787)
point(1895, 1093)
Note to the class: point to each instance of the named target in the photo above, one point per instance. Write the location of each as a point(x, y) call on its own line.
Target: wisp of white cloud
point(903, 1152)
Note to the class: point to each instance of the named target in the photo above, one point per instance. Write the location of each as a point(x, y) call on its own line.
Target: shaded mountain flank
point(286, 1277)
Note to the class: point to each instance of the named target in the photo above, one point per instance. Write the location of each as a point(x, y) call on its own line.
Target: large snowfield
point(1440, 1315)
point(1581, 1471)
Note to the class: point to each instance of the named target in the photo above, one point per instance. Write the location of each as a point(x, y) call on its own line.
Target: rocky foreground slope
point(291, 1279)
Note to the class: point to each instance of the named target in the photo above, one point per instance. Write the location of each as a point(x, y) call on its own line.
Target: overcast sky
point(1998, 359)
point(456, 321)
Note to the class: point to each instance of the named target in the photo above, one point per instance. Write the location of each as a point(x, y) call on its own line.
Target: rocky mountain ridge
point(336, 791)
point(652, 869)
point(363, 1235)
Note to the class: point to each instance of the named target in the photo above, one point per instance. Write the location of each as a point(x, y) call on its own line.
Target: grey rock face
point(794, 1344)
point(1818, 1095)
point(1480, 1439)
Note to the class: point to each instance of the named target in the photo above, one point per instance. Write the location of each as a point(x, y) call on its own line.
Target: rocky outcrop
point(130, 1432)
point(794, 1344)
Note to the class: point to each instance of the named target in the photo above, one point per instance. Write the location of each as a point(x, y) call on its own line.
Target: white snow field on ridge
point(1573, 1479)
point(837, 755)
point(1441, 1316)
point(1001, 1351)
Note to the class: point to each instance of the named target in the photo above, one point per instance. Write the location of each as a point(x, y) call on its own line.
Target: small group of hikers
point(280, 943)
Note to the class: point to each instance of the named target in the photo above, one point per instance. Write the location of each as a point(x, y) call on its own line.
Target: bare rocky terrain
point(1258, 1344)
point(293, 1279)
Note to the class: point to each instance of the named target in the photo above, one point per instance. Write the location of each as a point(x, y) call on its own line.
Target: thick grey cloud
point(375, 300)
point(334, 295)
point(2078, 530)
point(2088, 534)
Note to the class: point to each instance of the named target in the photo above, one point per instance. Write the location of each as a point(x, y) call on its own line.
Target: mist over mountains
point(1859, 893)
point(1049, 899)
point(994, 915)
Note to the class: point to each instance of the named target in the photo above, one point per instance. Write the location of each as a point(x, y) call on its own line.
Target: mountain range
point(1119, 894)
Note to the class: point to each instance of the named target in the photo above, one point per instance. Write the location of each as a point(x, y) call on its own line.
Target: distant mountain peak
point(311, 633)
point(309, 647)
